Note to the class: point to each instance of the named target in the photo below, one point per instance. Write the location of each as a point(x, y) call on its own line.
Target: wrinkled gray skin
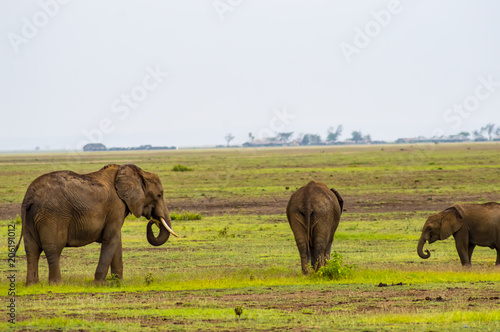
point(470, 224)
point(313, 212)
point(65, 209)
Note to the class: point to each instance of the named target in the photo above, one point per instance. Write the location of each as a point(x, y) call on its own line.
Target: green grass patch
point(181, 168)
point(185, 216)
point(218, 263)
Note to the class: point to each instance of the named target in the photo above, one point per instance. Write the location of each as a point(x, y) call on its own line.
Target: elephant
point(66, 209)
point(313, 212)
point(470, 224)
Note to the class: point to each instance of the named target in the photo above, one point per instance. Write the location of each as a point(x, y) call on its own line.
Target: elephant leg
point(53, 254)
point(328, 249)
point(498, 257)
point(470, 251)
point(108, 251)
point(462, 245)
point(33, 252)
point(117, 262)
point(304, 257)
point(318, 254)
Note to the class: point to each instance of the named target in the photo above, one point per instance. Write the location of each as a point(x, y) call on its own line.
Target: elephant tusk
point(168, 228)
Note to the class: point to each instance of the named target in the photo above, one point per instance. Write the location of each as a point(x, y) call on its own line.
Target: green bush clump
point(181, 168)
point(334, 270)
point(185, 216)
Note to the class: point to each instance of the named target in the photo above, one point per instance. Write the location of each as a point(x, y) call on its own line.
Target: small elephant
point(65, 209)
point(313, 212)
point(470, 224)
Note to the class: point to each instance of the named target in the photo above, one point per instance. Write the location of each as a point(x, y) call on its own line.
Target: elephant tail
point(23, 217)
point(308, 217)
point(25, 207)
point(18, 244)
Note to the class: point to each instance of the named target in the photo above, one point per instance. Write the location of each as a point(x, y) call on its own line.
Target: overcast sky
point(186, 73)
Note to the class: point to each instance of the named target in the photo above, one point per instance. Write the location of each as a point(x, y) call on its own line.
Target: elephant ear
point(452, 221)
point(129, 184)
point(339, 198)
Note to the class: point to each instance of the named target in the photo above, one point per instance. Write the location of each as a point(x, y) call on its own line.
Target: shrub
point(185, 216)
point(334, 270)
point(181, 168)
point(114, 281)
point(148, 279)
point(223, 232)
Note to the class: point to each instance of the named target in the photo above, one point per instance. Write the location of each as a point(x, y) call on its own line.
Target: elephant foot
point(55, 282)
point(31, 283)
point(99, 282)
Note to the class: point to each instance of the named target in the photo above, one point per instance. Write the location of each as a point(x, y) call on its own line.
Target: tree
point(489, 129)
point(464, 133)
point(284, 137)
point(333, 135)
point(228, 138)
point(310, 139)
point(357, 136)
point(367, 138)
point(251, 137)
point(94, 147)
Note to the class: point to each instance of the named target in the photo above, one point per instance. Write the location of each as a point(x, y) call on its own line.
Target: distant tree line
point(102, 147)
point(489, 132)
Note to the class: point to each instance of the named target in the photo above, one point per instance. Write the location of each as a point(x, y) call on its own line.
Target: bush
point(185, 216)
point(114, 281)
point(333, 270)
point(181, 168)
point(148, 279)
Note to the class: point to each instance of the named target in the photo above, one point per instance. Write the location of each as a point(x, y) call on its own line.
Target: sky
point(187, 73)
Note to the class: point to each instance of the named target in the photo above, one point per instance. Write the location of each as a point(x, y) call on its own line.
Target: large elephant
point(65, 209)
point(313, 212)
point(470, 224)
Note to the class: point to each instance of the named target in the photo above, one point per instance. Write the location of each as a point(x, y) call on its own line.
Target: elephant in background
point(470, 224)
point(313, 212)
point(66, 209)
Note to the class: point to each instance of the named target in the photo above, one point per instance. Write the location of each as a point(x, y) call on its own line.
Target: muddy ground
point(266, 206)
point(330, 299)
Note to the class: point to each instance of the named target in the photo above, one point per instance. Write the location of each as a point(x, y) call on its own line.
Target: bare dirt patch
point(267, 206)
point(358, 204)
point(308, 300)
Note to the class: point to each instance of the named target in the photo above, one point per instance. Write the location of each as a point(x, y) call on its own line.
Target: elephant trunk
point(165, 231)
point(420, 247)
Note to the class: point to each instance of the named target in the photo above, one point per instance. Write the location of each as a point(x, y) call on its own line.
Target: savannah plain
point(242, 253)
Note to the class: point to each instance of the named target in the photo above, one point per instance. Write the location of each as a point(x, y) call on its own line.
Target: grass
point(253, 173)
point(194, 282)
point(185, 216)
